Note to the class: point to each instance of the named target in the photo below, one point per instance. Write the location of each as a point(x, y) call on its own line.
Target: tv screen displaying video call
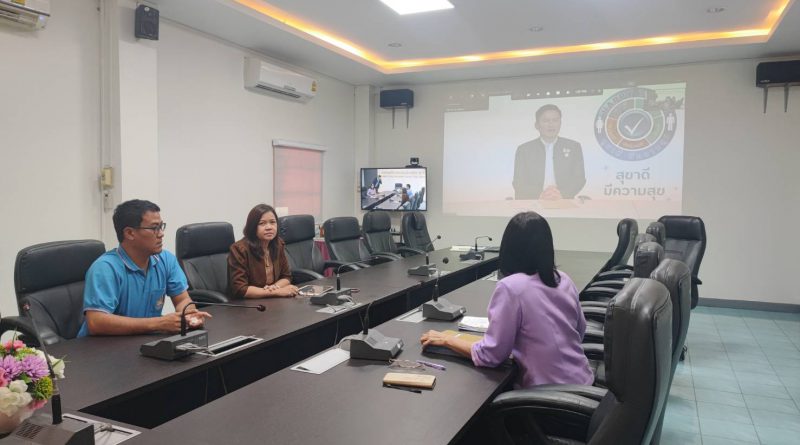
point(397, 189)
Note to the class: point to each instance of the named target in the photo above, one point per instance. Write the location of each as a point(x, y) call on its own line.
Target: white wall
point(215, 152)
point(740, 173)
point(49, 122)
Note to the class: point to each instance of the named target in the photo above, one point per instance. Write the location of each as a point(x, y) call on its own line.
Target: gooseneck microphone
point(473, 253)
point(441, 308)
point(185, 343)
point(427, 269)
point(372, 345)
point(339, 295)
point(352, 263)
point(259, 308)
point(56, 429)
point(479, 237)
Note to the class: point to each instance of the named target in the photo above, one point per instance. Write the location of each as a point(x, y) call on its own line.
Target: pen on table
point(432, 365)
point(403, 388)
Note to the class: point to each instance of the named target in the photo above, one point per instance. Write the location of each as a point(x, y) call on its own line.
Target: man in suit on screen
point(548, 167)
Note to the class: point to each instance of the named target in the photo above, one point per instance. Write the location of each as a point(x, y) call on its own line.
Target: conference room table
point(252, 387)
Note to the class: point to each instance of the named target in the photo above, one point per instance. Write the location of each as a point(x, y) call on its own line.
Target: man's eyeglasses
point(156, 228)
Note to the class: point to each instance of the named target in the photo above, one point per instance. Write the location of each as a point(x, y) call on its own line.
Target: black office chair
point(627, 229)
point(658, 230)
point(50, 277)
point(202, 251)
point(686, 241)
point(418, 198)
point(376, 227)
point(627, 413)
point(415, 231)
point(305, 258)
point(615, 279)
point(343, 238)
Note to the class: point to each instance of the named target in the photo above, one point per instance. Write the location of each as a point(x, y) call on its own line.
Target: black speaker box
point(778, 73)
point(146, 24)
point(397, 98)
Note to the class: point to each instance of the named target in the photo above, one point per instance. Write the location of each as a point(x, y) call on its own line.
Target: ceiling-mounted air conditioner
point(262, 77)
point(29, 14)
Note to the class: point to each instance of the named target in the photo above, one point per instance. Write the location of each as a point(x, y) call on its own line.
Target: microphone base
point(374, 346)
point(425, 270)
point(442, 310)
point(471, 255)
point(169, 348)
point(333, 297)
point(39, 429)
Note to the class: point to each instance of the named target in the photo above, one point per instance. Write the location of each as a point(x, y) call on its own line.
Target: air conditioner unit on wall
point(29, 14)
point(262, 77)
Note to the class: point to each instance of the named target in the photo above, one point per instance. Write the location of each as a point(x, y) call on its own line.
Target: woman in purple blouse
point(534, 314)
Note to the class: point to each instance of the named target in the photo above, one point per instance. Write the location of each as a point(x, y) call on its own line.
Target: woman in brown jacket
point(257, 265)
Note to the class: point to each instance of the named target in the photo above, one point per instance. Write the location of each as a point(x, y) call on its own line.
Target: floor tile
point(718, 411)
point(681, 407)
point(688, 424)
point(771, 419)
point(682, 392)
point(714, 396)
point(728, 430)
point(777, 436)
point(673, 437)
point(761, 378)
point(708, 440)
point(771, 404)
point(721, 384)
point(757, 389)
point(756, 367)
point(684, 380)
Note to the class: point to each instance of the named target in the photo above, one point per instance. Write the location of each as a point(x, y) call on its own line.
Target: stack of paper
point(473, 324)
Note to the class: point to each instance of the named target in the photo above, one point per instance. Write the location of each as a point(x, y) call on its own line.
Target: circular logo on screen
point(633, 124)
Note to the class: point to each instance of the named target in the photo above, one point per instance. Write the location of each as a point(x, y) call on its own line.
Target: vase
point(10, 423)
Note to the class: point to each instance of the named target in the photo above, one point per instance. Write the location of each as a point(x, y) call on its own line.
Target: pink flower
point(3, 379)
point(36, 404)
point(17, 344)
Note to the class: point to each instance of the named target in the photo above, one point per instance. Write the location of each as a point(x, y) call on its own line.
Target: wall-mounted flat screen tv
point(400, 189)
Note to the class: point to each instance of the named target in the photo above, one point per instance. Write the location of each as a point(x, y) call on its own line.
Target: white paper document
point(322, 362)
point(473, 324)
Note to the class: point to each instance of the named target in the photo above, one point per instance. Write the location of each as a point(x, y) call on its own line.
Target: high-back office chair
point(50, 277)
point(376, 227)
point(658, 230)
point(627, 229)
point(418, 198)
point(202, 251)
point(640, 327)
point(613, 280)
point(343, 238)
point(305, 258)
point(415, 231)
point(686, 241)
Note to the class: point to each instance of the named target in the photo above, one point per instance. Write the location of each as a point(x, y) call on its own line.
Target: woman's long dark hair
point(527, 247)
point(251, 235)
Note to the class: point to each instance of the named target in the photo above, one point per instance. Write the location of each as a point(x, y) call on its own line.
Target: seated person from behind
point(126, 286)
point(371, 192)
point(257, 264)
point(534, 314)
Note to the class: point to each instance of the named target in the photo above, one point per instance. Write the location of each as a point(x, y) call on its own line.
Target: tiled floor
point(740, 383)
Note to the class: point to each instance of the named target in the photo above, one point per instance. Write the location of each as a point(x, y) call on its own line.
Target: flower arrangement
point(25, 378)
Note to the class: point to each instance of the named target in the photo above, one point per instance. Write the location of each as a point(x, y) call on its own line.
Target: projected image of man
point(550, 166)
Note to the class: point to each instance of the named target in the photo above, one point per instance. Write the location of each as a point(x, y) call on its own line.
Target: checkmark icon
point(635, 126)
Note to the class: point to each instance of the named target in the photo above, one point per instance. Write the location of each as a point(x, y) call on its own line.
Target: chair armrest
point(590, 392)
point(593, 336)
point(594, 313)
point(600, 304)
point(623, 267)
point(602, 294)
point(593, 351)
point(24, 327)
point(610, 284)
point(696, 280)
point(388, 255)
point(554, 413)
point(410, 250)
point(207, 296)
point(335, 264)
point(303, 275)
point(614, 275)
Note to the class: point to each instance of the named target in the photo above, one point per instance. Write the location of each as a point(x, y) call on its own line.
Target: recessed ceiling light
point(715, 10)
point(404, 7)
point(395, 44)
point(536, 29)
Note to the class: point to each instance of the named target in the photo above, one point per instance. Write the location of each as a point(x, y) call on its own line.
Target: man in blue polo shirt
point(126, 286)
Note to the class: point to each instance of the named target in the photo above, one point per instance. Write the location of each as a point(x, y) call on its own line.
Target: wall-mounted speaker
point(146, 24)
point(397, 98)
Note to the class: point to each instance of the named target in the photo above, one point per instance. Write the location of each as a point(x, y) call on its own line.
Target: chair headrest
point(637, 336)
point(294, 228)
point(644, 238)
point(47, 265)
point(376, 222)
point(647, 257)
point(341, 228)
point(658, 230)
point(418, 221)
point(684, 227)
point(201, 239)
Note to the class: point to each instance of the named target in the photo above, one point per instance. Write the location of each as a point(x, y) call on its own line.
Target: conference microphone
point(372, 345)
point(427, 269)
point(339, 295)
point(473, 254)
point(441, 308)
point(185, 343)
point(53, 429)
